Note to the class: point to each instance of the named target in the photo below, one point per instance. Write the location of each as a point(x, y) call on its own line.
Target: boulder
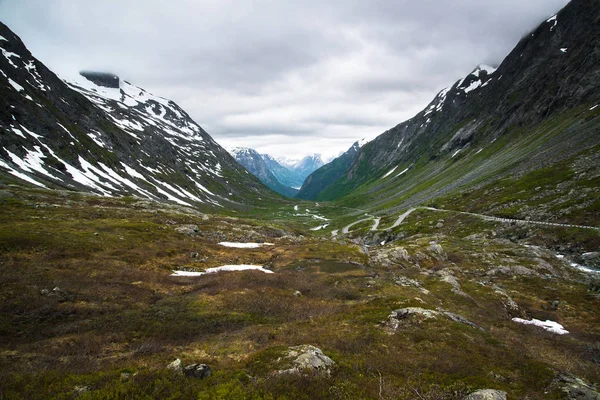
point(199, 371)
point(175, 366)
point(487, 394)
point(190, 230)
point(307, 358)
point(576, 388)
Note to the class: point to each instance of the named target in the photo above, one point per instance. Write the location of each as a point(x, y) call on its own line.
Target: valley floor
point(435, 305)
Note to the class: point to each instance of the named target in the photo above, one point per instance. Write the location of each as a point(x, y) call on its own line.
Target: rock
point(175, 366)
point(459, 318)
point(397, 316)
point(307, 357)
point(438, 251)
point(439, 225)
point(576, 388)
point(190, 230)
point(487, 394)
point(591, 259)
point(199, 371)
point(81, 389)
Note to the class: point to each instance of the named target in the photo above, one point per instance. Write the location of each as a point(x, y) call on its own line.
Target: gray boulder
point(307, 358)
point(487, 394)
point(576, 388)
point(190, 230)
point(199, 371)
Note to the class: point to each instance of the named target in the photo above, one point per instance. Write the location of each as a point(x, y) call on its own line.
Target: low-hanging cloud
point(289, 78)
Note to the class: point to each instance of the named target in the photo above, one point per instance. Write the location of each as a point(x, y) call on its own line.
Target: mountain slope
point(109, 138)
point(536, 110)
point(328, 174)
point(286, 175)
point(257, 166)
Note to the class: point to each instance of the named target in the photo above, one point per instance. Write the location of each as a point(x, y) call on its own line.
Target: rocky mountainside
point(256, 165)
point(538, 109)
point(100, 134)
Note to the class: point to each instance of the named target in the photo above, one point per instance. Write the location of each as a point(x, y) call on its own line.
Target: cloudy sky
point(287, 78)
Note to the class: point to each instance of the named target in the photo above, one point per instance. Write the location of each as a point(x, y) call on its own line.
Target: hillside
point(454, 257)
point(537, 110)
point(109, 138)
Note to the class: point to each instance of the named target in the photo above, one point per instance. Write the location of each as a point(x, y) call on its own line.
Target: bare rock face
point(487, 394)
point(576, 388)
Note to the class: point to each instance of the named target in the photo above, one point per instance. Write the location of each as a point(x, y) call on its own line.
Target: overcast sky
point(287, 78)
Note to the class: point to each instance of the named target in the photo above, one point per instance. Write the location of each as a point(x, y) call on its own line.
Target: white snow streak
point(548, 325)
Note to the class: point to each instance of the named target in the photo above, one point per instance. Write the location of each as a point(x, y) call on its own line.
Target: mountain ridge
point(118, 140)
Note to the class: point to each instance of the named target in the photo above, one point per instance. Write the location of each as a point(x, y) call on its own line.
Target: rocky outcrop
point(307, 358)
point(487, 394)
point(418, 314)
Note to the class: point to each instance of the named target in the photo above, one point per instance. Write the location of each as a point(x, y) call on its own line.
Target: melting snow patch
point(456, 152)
point(593, 108)
point(402, 173)
point(585, 269)
point(3, 38)
point(479, 151)
point(390, 172)
point(548, 325)
point(564, 49)
point(8, 55)
point(238, 245)
point(15, 85)
point(318, 228)
point(223, 268)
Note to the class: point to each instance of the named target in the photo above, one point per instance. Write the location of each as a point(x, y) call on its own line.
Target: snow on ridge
point(362, 142)
point(3, 38)
point(553, 19)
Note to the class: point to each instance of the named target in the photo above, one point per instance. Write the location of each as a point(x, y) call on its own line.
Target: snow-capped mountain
point(256, 165)
point(101, 134)
point(308, 165)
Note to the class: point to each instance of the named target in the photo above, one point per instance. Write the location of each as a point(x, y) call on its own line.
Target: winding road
point(402, 217)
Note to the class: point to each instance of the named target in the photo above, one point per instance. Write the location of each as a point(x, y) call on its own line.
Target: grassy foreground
point(88, 308)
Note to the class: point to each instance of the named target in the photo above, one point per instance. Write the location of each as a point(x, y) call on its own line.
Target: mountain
point(255, 163)
point(490, 132)
point(308, 165)
point(100, 134)
point(329, 173)
point(285, 175)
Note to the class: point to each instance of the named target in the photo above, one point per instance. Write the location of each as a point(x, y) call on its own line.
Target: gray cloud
point(286, 77)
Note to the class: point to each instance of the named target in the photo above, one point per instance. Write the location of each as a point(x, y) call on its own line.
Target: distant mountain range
point(284, 179)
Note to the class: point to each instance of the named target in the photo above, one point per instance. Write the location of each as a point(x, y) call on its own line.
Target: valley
point(456, 256)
